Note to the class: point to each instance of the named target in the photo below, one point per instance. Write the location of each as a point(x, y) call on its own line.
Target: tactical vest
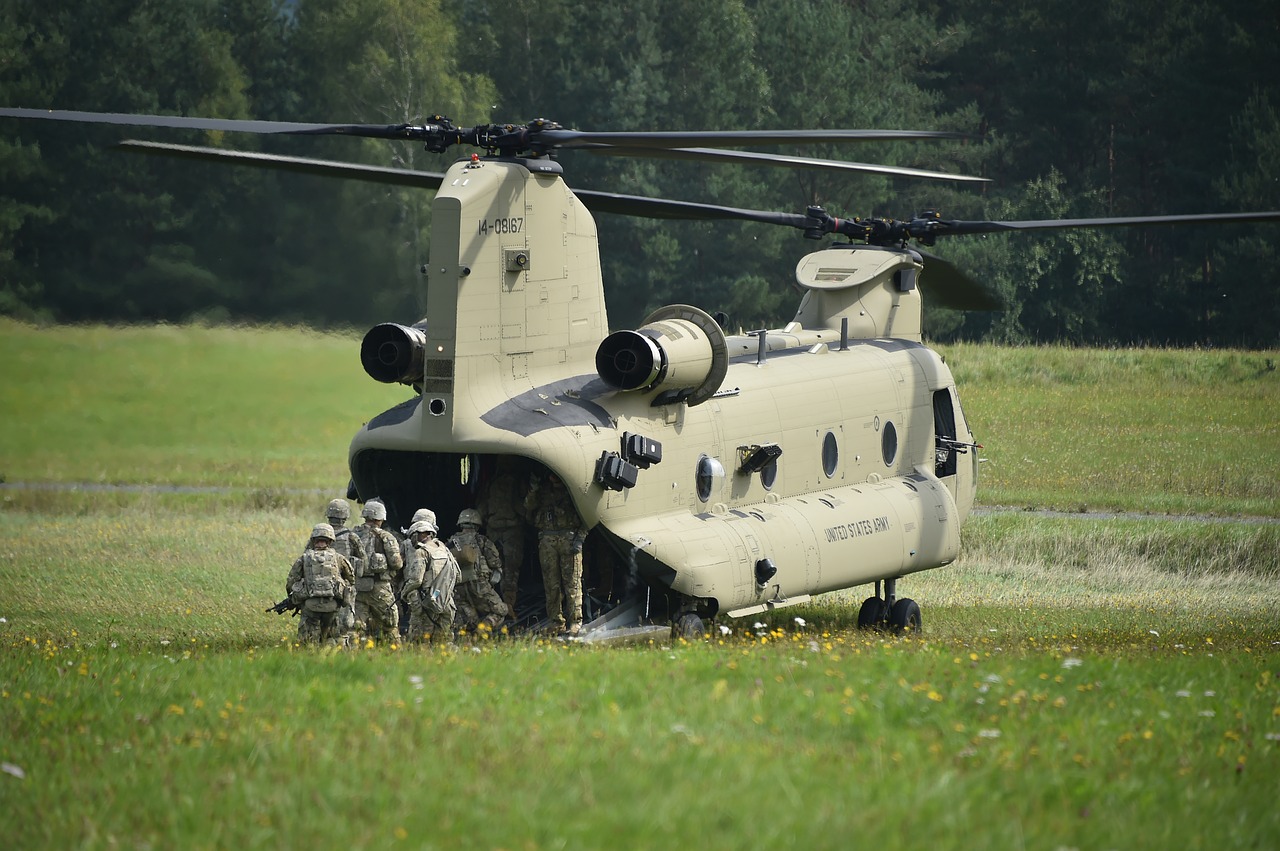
point(555, 511)
point(322, 582)
point(342, 544)
point(375, 552)
point(503, 502)
point(465, 547)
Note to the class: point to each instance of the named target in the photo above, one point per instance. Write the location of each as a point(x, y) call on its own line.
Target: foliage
point(1080, 109)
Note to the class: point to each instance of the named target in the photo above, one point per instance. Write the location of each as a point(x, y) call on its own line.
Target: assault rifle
point(285, 605)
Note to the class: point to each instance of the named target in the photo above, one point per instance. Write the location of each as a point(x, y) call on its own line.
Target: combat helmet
point(322, 530)
point(423, 526)
point(338, 509)
point(374, 510)
point(426, 514)
point(469, 516)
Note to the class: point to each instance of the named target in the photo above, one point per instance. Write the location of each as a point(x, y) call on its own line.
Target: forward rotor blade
point(757, 158)
point(299, 165)
point(947, 286)
point(596, 202)
point(664, 208)
point(231, 125)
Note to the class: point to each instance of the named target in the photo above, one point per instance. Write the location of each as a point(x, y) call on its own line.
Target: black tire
point(905, 617)
point(872, 615)
point(688, 626)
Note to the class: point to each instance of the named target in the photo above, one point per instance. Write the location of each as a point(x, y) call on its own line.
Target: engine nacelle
point(680, 350)
point(393, 353)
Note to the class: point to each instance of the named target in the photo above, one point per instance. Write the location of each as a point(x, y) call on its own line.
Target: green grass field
point(1080, 683)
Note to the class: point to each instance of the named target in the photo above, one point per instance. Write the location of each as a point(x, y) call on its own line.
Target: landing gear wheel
point(688, 626)
point(904, 617)
point(873, 614)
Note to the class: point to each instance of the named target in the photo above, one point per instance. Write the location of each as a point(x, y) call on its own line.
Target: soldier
point(321, 582)
point(502, 505)
point(346, 542)
point(406, 555)
point(479, 561)
point(560, 538)
point(429, 581)
point(375, 592)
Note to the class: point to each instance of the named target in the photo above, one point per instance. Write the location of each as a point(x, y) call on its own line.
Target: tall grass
point(1127, 698)
point(1165, 431)
point(272, 410)
point(182, 405)
point(1079, 682)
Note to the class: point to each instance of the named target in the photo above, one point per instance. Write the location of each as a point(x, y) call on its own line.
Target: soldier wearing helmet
point(501, 503)
point(322, 583)
point(406, 556)
point(375, 587)
point(479, 605)
point(348, 543)
point(429, 582)
point(561, 534)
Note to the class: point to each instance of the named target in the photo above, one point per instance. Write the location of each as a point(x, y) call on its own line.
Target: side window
point(830, 454)
point(710, 475)
point(769, 474)
point(889, 443)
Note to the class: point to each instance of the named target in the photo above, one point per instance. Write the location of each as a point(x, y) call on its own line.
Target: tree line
point(1079, 109)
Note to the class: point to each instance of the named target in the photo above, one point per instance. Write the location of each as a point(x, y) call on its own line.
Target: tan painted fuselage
point(518, 361)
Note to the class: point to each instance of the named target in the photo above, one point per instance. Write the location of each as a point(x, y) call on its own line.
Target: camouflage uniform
point(429, 581)
point(502, 506)
point(375, 592)
point(478, 559)
point(560, 538)
point(347, 543)
point(406, 556)
point(321, 582)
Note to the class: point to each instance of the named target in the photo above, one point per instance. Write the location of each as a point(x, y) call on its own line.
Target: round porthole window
point(709, 476)
point(889, 443)
point(830, 454)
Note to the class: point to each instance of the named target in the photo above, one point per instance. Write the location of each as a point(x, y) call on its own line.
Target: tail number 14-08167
point(500, 225)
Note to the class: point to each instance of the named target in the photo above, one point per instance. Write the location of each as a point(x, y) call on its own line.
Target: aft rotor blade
point(758, 158)
point(230, 125)
point(947, 286)
point(962, 228)
point(730, 138)
point(298, 165)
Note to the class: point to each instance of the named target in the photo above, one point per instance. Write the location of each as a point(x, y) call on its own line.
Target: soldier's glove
point(495, 578)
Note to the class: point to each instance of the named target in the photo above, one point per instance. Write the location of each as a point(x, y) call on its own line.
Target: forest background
point(1079, 109)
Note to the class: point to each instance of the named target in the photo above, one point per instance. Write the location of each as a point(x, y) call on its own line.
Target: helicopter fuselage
point(739, 472)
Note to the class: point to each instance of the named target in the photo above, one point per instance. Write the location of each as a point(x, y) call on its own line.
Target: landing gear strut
point(888, 613)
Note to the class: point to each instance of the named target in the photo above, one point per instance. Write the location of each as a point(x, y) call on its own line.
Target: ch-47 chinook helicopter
point(719, 474)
